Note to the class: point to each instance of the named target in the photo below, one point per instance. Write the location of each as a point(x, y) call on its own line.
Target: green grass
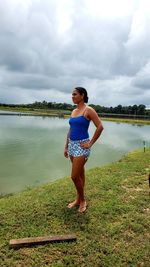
point(114, 231)
point(133, 121)
point(40, 112)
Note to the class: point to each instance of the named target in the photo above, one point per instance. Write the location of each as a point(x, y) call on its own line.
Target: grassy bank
point(40, 112)
point(132, 121)
point(114, 231)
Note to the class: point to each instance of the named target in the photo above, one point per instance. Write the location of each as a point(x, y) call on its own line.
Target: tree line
point(130, 110)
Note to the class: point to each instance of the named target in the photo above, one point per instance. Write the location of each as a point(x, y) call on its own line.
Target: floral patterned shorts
point(75, 150)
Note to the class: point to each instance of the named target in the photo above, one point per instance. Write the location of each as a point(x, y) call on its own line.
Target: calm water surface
point(31, 149)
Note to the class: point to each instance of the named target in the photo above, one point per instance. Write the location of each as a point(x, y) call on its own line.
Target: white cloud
point(142, 78)
point(108, 8)
point(49, 47)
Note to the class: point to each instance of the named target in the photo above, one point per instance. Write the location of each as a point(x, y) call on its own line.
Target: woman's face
point(76, 97)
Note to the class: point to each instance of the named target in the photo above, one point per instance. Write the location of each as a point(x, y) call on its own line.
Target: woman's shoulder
point(90, 112)
point(90, 109)
point(73, 111)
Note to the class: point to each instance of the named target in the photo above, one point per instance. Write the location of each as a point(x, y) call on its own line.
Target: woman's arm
point(66, 145)
point(98, 124)
point(93, 116)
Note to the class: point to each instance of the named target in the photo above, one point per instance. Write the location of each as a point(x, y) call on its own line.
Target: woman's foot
point(73, 204)
point(83, 206)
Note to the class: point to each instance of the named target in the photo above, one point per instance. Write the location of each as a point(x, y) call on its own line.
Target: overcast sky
point(47, 47)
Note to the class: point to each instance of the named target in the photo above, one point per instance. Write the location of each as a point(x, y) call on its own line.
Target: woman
point(78, 143)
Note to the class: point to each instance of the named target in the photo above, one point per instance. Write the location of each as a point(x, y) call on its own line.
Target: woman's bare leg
point(76, 202)
point(78, 177)
point(83, 204)
point(82, 175)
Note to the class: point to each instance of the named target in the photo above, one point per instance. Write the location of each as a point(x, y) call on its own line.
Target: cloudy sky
point(47, 47)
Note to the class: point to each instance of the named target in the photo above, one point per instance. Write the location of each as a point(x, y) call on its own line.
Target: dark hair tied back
point(83, 91)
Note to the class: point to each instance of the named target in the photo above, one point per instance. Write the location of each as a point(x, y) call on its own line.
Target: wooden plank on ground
point(30, 241)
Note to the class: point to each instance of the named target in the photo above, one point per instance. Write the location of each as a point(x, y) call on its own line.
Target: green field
point(40, 112)
point(114, 231)
point(132, 121)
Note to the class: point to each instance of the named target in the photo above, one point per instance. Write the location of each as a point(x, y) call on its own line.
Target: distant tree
point(134, 109)
point(118, 109)
point(141, 109)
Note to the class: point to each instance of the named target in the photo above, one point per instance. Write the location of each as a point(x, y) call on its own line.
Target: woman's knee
point(77, 174)
point(82, 172)
point(74, 177)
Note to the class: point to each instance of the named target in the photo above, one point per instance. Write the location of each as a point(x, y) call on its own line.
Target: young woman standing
point(78, 144)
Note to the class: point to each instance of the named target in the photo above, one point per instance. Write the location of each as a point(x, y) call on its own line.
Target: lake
point(31, 149)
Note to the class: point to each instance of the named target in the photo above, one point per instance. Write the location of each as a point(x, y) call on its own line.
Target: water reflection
point(32, 149)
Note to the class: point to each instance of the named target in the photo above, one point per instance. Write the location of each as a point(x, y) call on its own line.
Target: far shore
point(66, 114)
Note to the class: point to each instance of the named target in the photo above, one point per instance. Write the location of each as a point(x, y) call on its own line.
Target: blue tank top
point(79, 128)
